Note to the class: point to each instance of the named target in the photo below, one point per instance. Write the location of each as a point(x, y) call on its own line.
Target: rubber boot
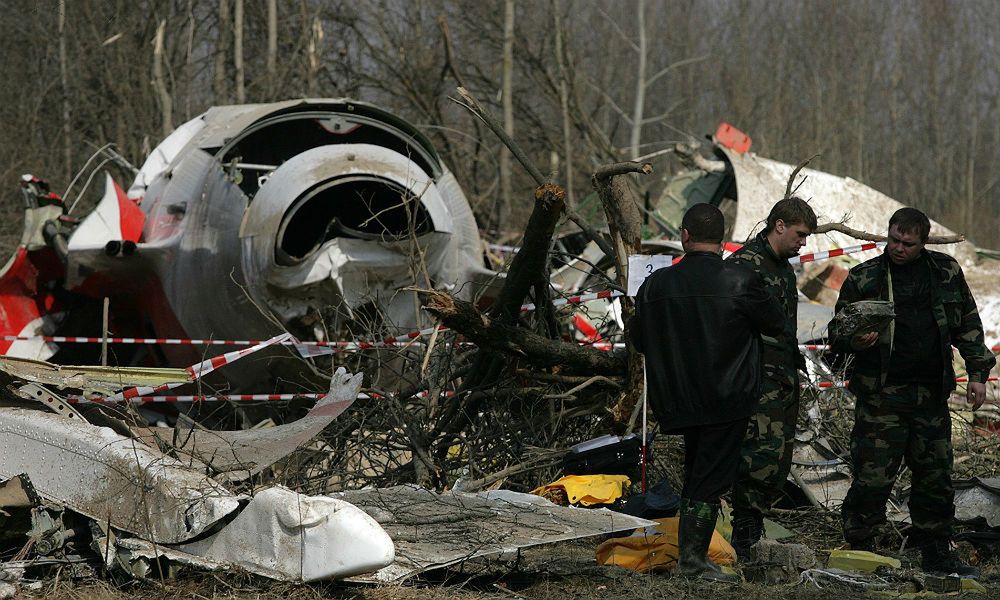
point(938, 558)
point(697, 523)
point(747, 531)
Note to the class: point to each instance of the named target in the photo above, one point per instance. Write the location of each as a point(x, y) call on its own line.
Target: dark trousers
point(711, 459)
point(908, 423)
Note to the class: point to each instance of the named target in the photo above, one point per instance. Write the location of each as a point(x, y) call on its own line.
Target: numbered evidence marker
point(641, 266)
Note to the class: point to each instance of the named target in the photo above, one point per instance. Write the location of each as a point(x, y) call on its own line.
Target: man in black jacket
point(698, 324)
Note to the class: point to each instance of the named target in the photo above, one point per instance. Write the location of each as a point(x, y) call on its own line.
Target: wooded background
point(902, 96)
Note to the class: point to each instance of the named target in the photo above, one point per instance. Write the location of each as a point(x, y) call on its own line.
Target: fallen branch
point(791, 179)
point(621, 168)
point(871, 237)
point(477, 109)
point(689, 155)
point(541, 351)
point(621, 208)
point(530, 263)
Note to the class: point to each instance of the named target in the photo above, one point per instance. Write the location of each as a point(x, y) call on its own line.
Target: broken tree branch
point(496, 127)
point(622, 168)
point(487, 333)
point(691, 158)
point(621, 206)
point(477, 109)
point(871, 237)
point(530, 261)
point(791, 178)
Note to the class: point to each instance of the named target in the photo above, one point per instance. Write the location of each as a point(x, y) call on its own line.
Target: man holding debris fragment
point(698, 324)
point(767, 448)
point(902, 378)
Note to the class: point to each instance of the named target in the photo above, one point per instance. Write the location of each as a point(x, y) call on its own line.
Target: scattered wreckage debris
point(434, 530)
point(138, 505)
point(90, 483)
point(215, 194)
point(304, 215)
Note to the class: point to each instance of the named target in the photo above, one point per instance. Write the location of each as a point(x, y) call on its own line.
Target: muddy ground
point(559, 571)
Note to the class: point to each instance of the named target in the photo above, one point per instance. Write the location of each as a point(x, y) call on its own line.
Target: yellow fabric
point(588, 490)
point(655, 549)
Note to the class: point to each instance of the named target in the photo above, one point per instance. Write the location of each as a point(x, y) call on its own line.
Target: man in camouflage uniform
point(767, 448)
point(902, 379)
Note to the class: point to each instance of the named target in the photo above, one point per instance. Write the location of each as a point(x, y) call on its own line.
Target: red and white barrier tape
point(197, 370)
point(504, 248)
point(403, 340)
point(186, 342)
point(825, 347)
point(833, 252)
point(77, 399)
point(842, 384)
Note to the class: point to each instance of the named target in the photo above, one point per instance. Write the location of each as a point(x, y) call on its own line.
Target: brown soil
point(561, 571)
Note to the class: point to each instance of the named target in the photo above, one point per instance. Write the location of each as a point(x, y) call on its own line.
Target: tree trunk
point(639, 107)
point(539, 350)
point(67, 124)
point(313, 52)
point(188, 61)
point(241, 95)
point(160, 85)
point(621, 206)
point(220, 83)
point(564, 103)
point(272, 48)
point(503, 208)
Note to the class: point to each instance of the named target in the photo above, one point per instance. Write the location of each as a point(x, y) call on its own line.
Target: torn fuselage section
point(314, 216)
point(136, 495)
point(341, 227)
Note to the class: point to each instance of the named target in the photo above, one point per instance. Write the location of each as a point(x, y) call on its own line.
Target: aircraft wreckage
point(305, 216)
point(96, 481)
point(247, 221)
point(313, 217)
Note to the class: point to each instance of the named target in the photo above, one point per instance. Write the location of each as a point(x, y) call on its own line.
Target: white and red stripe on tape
point(168, 399)
point(161, 399)
point(197, 370)
point(403, 340)
point(833, 252)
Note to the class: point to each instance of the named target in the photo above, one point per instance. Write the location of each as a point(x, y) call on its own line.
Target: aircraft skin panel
point(110, 478)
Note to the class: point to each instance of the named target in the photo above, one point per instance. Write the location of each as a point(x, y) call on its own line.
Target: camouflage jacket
point(780, 355)
point(954, 311)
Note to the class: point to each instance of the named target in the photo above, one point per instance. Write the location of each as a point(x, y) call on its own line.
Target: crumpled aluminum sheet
point(432, 530)
point(110, 478)
point(862, 317)
point(240, 454)
point(978, 497)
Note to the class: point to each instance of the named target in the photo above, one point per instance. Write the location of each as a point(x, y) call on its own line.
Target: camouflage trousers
point(903, 422)
point(766, 454)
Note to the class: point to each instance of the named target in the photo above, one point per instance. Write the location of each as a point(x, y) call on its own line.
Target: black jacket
point(699, 323)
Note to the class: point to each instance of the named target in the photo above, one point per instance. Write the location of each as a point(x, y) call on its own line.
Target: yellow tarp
point(587, 490)
point(655, 549)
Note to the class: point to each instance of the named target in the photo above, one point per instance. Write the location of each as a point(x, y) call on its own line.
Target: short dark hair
point(704, 223)
point(793, 211)
point(910, 220)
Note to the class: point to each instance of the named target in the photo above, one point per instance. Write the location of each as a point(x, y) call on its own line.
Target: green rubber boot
point(697, 523)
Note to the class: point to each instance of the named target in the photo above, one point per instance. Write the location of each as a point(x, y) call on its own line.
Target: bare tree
point(222, 41)
point(64, 80)
point(507, 90)
point(241, 95)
